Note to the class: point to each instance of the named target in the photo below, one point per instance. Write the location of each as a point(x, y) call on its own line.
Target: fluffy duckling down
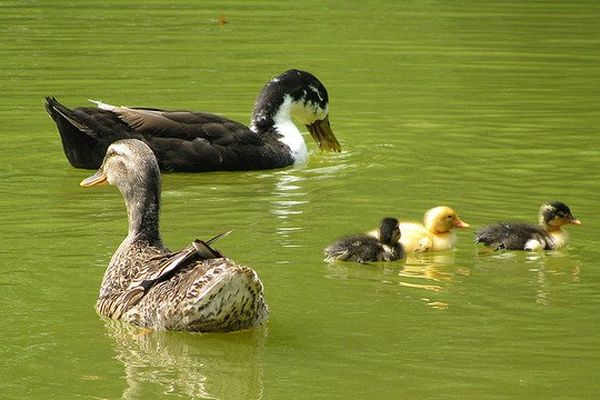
point(547, 235)
point(363, 248)
point(434, 234)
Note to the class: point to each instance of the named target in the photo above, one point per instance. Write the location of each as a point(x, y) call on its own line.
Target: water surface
point(487, 107)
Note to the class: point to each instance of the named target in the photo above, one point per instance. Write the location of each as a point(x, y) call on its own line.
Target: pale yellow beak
point(99, 178)
point(460, 224)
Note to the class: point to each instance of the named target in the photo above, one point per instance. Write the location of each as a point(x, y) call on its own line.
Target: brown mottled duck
point(195, 289)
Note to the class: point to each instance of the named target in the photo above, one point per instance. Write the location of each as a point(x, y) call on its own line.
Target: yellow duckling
point(434, 234)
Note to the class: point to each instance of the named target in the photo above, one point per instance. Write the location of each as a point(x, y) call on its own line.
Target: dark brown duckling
point(547, 235)
point(364, 248)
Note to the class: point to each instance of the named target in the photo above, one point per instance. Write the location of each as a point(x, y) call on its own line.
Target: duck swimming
point(547, 235)
point(200, 141)
point(195, 289)
point(364, 248)
point(434, 234)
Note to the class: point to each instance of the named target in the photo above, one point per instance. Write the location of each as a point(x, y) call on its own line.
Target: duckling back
point(362, 248)
point(514, 236)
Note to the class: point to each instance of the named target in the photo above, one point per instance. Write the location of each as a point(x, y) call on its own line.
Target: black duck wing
point(511, 235)
point(198, 141)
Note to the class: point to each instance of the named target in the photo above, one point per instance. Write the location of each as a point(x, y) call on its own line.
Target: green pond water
point(489, 107)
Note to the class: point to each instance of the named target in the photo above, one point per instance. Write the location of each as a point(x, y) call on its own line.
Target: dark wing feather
point(187, 125)
point(87, 132)
point(181, 140)
point(510, 235)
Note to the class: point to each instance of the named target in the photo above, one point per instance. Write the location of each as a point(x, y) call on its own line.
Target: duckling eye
point(449, 217)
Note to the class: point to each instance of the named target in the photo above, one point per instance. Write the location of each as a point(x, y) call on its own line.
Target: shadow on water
point(196, 365)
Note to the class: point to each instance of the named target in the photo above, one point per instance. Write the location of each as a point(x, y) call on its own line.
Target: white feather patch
point(535, 244)
point(103, 106)
point(291, 135)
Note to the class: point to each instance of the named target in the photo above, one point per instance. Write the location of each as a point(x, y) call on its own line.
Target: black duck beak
point(99, 178)
point(321, 131)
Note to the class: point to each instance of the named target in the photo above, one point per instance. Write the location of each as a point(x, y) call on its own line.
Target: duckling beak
point(460, 224)
point(321, 131)
point(574, 221)
point(99, 178)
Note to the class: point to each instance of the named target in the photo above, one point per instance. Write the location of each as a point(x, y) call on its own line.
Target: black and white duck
point(364, 248)
point(547, 235)
point(195, 289)
point(200, 141)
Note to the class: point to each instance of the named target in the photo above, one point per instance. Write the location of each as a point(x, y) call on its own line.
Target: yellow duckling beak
point(575, 221)
point(321, 131)
point(99, 178)
point(458, 223)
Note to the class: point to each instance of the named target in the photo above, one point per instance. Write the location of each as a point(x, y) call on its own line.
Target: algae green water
point(489, 107)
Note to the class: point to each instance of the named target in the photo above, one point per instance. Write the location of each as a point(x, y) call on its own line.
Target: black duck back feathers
point(181, 140)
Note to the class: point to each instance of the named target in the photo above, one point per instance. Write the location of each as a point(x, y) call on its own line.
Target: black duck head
point(555, 214)
point(301, 95)
point(389, 231)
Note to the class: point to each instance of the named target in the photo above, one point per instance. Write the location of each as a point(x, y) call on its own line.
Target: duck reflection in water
point(432, 272)
point(194, 366)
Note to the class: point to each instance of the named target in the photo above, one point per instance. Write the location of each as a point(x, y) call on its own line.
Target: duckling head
point(389, 231)
point(555, 214)
point(301, 95)
point(442, 219)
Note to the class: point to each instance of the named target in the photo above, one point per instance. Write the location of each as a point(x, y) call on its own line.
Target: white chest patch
point(535, 244)
point(291, 136)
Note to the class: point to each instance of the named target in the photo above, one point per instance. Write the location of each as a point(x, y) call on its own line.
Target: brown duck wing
point(187, 125)
point(164, 267)
point(199, 141)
